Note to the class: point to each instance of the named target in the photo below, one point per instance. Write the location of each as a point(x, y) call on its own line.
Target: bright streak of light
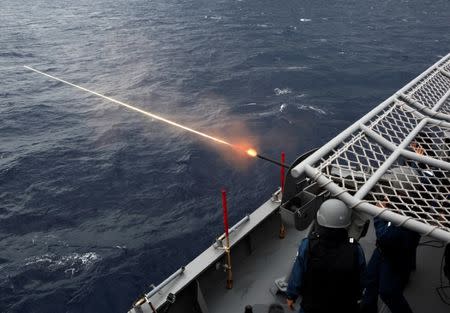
point(252, 152)
point(129, 106)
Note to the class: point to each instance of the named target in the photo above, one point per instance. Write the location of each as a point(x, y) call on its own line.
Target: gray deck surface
point(254, 276)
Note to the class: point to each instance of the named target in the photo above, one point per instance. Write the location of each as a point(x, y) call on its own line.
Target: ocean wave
point(282, 91)
point(74, 262)
point(305, 107)
point(47, 240)
point(296, 68)
point(16, 54)
point(213, 17)
point(266, 114)
point(87, 175)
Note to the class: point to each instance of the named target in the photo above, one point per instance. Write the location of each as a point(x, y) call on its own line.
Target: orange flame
point(252, 152)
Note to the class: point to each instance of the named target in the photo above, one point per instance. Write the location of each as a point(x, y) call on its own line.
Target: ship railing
point(219, 241)
point(169, 279)
point(399, 154)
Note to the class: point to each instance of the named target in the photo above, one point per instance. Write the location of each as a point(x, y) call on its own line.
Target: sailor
point(329, 266)
point(390, 266)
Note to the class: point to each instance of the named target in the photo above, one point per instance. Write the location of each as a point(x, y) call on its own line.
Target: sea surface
point(98, 202)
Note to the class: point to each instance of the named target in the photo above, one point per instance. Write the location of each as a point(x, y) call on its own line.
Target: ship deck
point(255, 275)
point(260, 257)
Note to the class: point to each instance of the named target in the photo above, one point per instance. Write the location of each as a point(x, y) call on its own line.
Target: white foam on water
point(71, 270)
point(311, 108)
point(36, 260)
point(305, 20)
point(282, 91)
point(296, 68)
point(267, 114)
point(213, 17)
point(48, 240)
point(67, 261)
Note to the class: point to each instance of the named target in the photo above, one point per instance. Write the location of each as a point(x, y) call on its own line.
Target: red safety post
point(227, 237)
point(225, 212)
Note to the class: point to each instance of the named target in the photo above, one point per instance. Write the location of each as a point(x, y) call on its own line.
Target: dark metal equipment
point(272, 161)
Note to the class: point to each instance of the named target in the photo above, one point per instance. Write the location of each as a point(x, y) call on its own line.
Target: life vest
point(332, 277)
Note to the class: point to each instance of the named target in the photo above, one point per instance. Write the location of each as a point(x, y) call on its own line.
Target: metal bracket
point(276, 196)
point(171, 298)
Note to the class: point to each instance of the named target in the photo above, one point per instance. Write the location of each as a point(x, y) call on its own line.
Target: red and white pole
point(227, 237)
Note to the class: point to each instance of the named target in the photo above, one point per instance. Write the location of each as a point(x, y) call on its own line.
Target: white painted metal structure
point(398, 154)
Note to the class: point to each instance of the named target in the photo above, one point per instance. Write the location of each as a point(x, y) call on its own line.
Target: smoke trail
point(131, 107)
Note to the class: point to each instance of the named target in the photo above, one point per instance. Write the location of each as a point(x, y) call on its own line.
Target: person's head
point(334, 213)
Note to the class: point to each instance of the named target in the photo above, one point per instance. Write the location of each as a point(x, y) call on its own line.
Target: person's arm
point(298, 271)
point(381, 227)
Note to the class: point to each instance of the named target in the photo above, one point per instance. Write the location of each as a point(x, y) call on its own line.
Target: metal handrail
point(429, 115)
point(234, 228)
point(164, 283)
point(363, 206)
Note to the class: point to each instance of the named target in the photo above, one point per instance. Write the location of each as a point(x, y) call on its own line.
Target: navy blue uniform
point(390, 266)
point(327, 273)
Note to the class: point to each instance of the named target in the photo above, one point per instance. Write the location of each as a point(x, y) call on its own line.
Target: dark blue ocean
point(98, 202)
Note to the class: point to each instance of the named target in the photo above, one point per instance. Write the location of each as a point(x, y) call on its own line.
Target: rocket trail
point(131, 107)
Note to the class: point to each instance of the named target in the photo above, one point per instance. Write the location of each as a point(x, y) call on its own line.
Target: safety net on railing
point(395, 161)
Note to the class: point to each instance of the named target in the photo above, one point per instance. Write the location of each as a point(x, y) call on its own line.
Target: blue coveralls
point(388, 272)
point(299, 269)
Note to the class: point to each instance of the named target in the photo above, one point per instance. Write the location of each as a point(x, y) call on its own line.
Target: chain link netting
point(352, 162)
point(409, 187)
point(445, 108)
point(395, 122)
point(430, 89)
point(416, 190)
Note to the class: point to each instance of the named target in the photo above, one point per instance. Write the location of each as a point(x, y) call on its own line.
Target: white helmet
point(334, 213)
